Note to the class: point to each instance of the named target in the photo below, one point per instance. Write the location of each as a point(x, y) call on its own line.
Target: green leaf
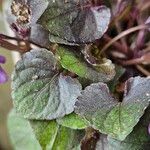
point(73, 121)
point(67, 139)
point(45, 132)
point(110, 116)
point(72, 62)
point(41, 135)
point(139, 138)
point(39, 92)
point(21, 133)
point(51, 136)
point(78, 25)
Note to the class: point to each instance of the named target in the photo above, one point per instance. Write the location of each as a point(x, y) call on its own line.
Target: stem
point(3, 36)
point(147, 49)
point(122, 34)
point(144, 71)
point(133, 61)
point(90, 139)
point(123, 40)
point(9, 46)
point(140, 40)
point(145, 6)
point(116, 44)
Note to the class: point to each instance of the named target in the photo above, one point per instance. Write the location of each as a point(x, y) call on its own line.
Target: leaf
point(45, 132)
point(139, 138)
point(73, 121)
point(51, 136)
point(67, 139)
point(37, 8)
point(56, 39)
point(41, 135)
point(39, 36)
point(72, 62)
point(39, 92)
point(75, 21)
point(110, 116)
point(21, 133)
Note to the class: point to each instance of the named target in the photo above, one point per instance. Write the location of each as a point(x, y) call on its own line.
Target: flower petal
point(2, 59)
point(3, 76)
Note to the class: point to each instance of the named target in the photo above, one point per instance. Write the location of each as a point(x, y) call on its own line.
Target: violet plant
point(83, 78)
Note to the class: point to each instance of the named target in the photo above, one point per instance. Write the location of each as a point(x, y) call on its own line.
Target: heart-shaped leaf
point(39, 92)
point(75, 21)
point(110, 116)
point(72, 62)
point(73, 121)
point(41, 135)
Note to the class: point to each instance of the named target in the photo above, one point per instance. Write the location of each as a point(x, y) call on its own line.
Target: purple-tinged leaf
point(39, 91)
point(110, 116)
point(75, 23)
point(39, 35)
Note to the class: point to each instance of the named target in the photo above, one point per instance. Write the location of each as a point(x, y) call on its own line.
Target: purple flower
point(3, 75)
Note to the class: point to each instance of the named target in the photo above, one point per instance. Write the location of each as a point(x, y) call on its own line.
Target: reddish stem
point(116, 44)
point(13, 47)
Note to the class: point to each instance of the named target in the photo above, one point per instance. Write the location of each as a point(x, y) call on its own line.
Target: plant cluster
point(83, 78)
